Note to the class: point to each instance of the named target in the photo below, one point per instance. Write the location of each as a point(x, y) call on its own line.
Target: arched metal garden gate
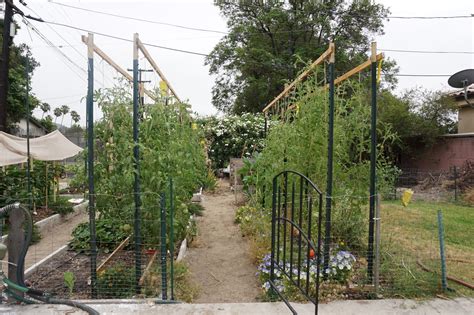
point(295, 257)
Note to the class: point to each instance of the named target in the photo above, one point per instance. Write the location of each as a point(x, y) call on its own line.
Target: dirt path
point(219, 258)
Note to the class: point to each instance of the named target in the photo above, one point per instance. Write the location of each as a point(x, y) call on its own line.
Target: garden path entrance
point(219, 258)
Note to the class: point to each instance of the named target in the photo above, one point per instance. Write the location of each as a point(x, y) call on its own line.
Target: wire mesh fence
point(436, 185)
point(407, 263)
point(59, 259)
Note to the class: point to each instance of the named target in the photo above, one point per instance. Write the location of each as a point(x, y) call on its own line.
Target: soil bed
point(50, 277)
point(42, 213)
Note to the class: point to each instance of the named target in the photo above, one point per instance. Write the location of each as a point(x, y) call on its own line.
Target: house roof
point(459, 94)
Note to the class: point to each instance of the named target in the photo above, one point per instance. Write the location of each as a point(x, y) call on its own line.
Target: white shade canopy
point(51, 147)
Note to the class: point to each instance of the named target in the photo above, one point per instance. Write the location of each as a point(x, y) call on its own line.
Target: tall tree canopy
point(17, 82)
point(268, 40)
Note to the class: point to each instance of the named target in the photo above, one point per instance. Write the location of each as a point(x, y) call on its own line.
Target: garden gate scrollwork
point(295, 256)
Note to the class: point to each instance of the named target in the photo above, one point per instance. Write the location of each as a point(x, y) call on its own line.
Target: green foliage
point(169, 148)
point(185, 289)
point(300, 144)
point(109, 233)
point(233, 136)
point(16, 109)
point(61, 206)
point(36, 235)
point(418, 118)
point(14, 182)
point(268, 40)
point(195, 208)
point(256, 225)
point(116, 282)
point(69, 281)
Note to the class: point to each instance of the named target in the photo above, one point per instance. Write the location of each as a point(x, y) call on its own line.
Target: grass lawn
point(410, 235)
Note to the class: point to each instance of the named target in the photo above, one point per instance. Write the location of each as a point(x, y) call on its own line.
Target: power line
point(222, 32)
point(116, 37)
point(47, 41)
point(420, 75)
point(139, 19)
point(428, 51)
point(432, 17)
point(82, 55)
point(205, 55)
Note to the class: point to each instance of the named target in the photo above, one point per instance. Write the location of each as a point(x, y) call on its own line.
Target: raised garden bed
point(55, 219)
point(50, 276)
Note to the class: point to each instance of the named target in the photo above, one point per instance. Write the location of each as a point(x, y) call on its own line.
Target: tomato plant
point(170, 148)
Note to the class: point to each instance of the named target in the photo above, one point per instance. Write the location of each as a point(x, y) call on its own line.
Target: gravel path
point(219, 258)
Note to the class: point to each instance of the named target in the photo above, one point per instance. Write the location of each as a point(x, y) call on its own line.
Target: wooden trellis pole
point(114, 65)
point(301, 77)
point(147, 55)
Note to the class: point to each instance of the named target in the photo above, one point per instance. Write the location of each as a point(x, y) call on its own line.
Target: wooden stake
point(116, 250)
point(302, 76)
point(155, 66)
point(114, 65)
point(356, 70)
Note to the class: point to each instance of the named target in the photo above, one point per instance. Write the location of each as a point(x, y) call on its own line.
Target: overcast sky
point(59, 82)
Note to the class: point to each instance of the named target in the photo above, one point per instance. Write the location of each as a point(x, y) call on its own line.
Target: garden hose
point(20, 286)
point(29, 229)
point(50, 300)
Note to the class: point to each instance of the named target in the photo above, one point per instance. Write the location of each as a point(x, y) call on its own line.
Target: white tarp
point(52, 147)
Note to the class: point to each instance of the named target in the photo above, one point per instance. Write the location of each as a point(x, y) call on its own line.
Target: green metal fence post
point(28, 163)
point(373, 161)
point(136, 164)
point(164, 282)
point(444, 281)
point(172, 239)
point(329, 179)
point(90, 161)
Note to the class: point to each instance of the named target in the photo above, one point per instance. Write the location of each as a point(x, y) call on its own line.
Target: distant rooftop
point(460, 93)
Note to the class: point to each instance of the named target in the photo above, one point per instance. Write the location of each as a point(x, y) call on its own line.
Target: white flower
point(266, 286)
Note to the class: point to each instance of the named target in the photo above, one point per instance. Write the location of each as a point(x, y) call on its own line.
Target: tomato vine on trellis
point(169, 148)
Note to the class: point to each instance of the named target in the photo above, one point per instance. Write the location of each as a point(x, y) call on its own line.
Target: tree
point(75, 116)
point(268, 40)
point(57, 112)
point(47, 123)
point(19, 55)
point(418, 118)
point(64, 111)
point(45, 107)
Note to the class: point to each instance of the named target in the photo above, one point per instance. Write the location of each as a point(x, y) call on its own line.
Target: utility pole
point(141, 87)
point(4, 65)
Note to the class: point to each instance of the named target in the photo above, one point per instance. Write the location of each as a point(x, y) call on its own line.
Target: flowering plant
point(340, 267)
point(233, 136)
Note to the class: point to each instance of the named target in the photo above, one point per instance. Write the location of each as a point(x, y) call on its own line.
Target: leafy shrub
point(61, 206)
point(14, 182)
point(116, 282)
point(195, 208)
point(233, 136)
point(109, 233)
